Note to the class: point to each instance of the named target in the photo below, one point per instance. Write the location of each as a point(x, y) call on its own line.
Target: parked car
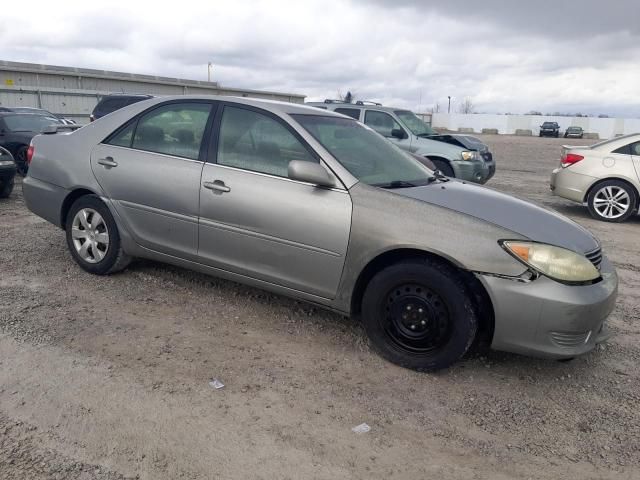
point(603, 176)
point(458, 156)
point(7, 172)
point(115, 101)
point(315, 205)
point(17, 130)
point(574, 132)
point(550, 129)
point(40, 111)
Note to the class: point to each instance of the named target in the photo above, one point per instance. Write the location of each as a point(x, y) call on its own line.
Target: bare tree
point(349, 97)
point(435, 108)
point(467, 106)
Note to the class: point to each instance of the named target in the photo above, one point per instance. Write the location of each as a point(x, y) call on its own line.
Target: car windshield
point(574, 129)
point(28, 122)
point(367, 155)
point(413, 123)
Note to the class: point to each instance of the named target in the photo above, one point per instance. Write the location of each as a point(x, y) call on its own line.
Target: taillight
point(30, 152)
point(570, 159)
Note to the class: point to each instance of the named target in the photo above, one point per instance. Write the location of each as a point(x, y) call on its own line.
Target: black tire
point(21, 161)
point(114, 258)
point(557, 134)
point(616, 186)
point(443, 166)
point(419, 314)
point(6, 187)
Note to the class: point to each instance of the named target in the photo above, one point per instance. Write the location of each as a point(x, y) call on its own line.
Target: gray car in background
point(457, 156)
point(316, 206)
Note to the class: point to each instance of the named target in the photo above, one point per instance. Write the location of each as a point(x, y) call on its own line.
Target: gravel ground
point(107, 377)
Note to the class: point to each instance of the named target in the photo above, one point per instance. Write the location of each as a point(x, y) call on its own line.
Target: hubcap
point(611, 202)
point(416, 319)
point(90, 235)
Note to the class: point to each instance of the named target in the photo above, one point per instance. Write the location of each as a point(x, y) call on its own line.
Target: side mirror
point(309, 172)
point(399, 134)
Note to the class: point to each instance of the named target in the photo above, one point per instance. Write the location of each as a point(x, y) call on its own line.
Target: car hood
point(511, 213)
point(466, 141)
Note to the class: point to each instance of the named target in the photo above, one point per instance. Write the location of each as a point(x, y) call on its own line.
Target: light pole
point(449, 109)
point(209, 65)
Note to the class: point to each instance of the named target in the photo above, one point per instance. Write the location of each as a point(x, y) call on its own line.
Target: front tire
point(419, 314)
point(93, 238)
point(612, 201)
point(443, 166)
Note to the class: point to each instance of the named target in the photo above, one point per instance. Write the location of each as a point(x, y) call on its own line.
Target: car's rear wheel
point(419, 314)
point(6, 187)
point(93, 238)
point(21, 161)
point(612, 201)
point(443, 166)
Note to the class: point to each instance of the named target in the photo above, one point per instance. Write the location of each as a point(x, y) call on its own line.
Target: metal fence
point(73, 92)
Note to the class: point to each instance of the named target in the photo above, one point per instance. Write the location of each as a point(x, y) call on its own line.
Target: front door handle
point(108, 162)
point(216, 186)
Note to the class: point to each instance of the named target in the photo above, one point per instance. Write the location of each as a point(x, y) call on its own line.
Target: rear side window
point(257, 142)
point(635, 148)
point(175, 129)
point(626, 150)
point(351, 112)
point(124, 137)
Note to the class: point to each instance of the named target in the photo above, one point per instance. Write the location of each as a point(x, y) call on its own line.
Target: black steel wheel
point(419, 314)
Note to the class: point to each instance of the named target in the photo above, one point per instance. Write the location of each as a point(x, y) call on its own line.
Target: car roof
point(128, 95)
point(372, 106)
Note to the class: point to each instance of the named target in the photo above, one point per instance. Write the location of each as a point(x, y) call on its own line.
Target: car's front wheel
point(443, 166)
point(612, 201)
point(419, 314)
point(93, 238)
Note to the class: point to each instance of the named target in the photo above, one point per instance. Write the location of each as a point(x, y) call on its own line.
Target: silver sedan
point(604, 176)
point(317, 206)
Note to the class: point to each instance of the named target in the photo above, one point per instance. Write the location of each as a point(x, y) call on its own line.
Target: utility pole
point(209, 65)
point(449, 109)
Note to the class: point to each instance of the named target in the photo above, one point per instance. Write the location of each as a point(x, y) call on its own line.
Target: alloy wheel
point(90, 235)
point(611, 202)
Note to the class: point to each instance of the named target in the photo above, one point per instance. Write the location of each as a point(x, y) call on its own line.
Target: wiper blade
point(426, 135)
point(395, 184)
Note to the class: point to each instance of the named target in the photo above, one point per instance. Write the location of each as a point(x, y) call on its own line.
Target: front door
point(255, 221)
point(151, 170)
point(386, 125)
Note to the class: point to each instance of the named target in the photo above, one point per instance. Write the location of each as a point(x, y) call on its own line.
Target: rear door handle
point(108, 162)
point(216, 186)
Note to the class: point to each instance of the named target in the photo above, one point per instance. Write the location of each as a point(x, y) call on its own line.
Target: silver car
point(317, 206)
point(457, 156)
point(605, 177)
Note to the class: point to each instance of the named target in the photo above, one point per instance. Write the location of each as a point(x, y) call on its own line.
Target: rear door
point(151, 170)
point(635, 155)
point(255, 221)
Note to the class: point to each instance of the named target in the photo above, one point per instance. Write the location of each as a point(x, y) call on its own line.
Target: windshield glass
point(365, 154)
point(413, 123)
point(28, 122)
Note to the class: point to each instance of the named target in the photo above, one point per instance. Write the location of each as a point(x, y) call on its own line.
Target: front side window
point(413, 123)
point(175, 129)
point(381, 122)
point(365, 154)
point(252, 141)
point(350, 112)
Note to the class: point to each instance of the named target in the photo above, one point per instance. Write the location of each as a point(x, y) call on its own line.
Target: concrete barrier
point(490, 131)
point(466, 130)
point(524, 132)
point(591, 136)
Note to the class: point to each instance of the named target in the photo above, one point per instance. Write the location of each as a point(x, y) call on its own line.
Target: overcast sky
point(507, 56)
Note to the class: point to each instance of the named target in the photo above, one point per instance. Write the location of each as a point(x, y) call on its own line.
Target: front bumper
point(567, 184)
point(544, 318)
point(474, 171)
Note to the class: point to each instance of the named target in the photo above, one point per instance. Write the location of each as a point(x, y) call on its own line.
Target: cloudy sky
point(506, 55)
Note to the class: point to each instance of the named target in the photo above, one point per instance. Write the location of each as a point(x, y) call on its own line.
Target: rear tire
point(443, 166)
point(93, 238)
point(612, 201)
point(21, 161)
point(6, 188)
point(419, 314)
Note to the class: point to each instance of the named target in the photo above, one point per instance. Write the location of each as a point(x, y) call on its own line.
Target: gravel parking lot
point(107, 377)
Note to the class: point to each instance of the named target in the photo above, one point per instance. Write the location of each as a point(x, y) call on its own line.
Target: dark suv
point(550, 129)
point(7, 172)
point(115, 101)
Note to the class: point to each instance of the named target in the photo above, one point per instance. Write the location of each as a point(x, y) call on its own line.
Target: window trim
point(212, 156)
point(364, 120)
point(215, 107)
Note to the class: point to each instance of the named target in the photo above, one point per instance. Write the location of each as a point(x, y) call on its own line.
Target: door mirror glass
point(398, 133)
point(309, 172)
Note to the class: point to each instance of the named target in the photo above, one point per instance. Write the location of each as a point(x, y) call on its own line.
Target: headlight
point(469, 155)
point(554, 262)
